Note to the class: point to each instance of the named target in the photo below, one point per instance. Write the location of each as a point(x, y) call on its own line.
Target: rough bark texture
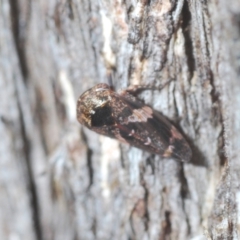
point(59, 180)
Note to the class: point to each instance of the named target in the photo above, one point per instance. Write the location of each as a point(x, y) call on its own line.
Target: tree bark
point(61, 181)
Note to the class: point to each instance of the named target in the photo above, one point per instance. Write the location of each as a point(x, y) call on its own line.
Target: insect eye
point(102, 116)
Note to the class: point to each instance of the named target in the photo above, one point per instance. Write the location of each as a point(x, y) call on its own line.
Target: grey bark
point(59, 180)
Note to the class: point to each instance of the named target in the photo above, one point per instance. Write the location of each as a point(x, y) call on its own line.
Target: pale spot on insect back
point(131, 133)
point(141, 114)
point(148, 142)
point(175, 133)
point(169, 151)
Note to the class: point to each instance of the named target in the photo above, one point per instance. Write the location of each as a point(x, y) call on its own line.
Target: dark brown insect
point(124, 117)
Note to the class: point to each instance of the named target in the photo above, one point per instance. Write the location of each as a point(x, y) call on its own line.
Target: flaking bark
point(62, 181)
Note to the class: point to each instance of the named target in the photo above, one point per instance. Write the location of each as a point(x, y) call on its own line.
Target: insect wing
point(147, 129)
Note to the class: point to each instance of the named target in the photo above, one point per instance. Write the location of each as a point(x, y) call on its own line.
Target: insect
point(124, 117)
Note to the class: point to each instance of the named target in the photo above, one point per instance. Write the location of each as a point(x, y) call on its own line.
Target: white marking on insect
point(168, 152)
point(148, 142)
point(141, 115)
point(131, 133)
point(101, 89)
